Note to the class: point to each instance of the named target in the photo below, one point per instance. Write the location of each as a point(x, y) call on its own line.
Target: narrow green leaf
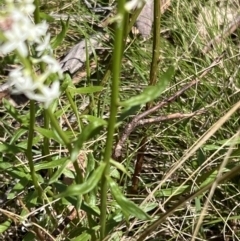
point(87, 186)
point(127, 206)
point(120, 167)
point(91, 163)
point(56, 41)
point(5, 165)
point(211, 176)
point(128, 112)
point(51, 164)
point(16, 136)
point(167, 192)
point(86, 90)
point(24, 143)
point(201, 157)
point(14, 112)
point(46, 133)
point(151, 92)
point(10, 148)
point(50, 134)
point(228, 142)
point(59, 171)
point(5, 225)
point(19, 187)
point(88, 132)
point(29, 237)
point(67, 83)
point(235, 153)
point(82, 237)
point(46, 17)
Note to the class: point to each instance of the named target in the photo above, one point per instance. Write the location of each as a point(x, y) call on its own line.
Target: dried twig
point(117, 153)
point(169, 117)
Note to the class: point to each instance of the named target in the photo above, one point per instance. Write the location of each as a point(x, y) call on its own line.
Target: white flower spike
point(20, 33)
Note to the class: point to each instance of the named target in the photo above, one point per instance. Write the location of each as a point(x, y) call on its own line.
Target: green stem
point(108, 71)
point(116, 68)
point(156, 43)
point(74, 108)
point(45, 151)
point(29, 148)
point(36, 12)
point(29, 155)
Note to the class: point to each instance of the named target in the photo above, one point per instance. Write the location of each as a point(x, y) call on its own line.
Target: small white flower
point(49, 94)
point(27, 6)
point(37, 31)
point(53, 65)
point(21, 30)
point(16, 35)
point(22, 82)
point(8, 47)
point(45, 45)
point(133, 4)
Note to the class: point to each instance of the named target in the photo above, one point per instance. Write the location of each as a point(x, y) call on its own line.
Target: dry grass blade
point(214, 186)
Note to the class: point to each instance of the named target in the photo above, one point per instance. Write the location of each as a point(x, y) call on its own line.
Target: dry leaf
point(76, 57)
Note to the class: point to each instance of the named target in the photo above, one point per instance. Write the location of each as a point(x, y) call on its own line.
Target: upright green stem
point(156, 43)
point(32, 123)
point(116, 68)
point(29, 148)
point(36, 12)
point(108, 69)
point(155, 47)
point(45, 150)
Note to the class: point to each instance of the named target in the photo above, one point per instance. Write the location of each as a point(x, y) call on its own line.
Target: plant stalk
point(116, 69)
point(29, 148)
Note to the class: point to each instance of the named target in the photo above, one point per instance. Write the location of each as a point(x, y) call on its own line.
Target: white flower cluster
point(18, 33)
point(134, 4)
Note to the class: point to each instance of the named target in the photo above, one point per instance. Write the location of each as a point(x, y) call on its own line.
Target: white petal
point(133, 4)
point(45, 45)
point(49, 94)
point(53, 65)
